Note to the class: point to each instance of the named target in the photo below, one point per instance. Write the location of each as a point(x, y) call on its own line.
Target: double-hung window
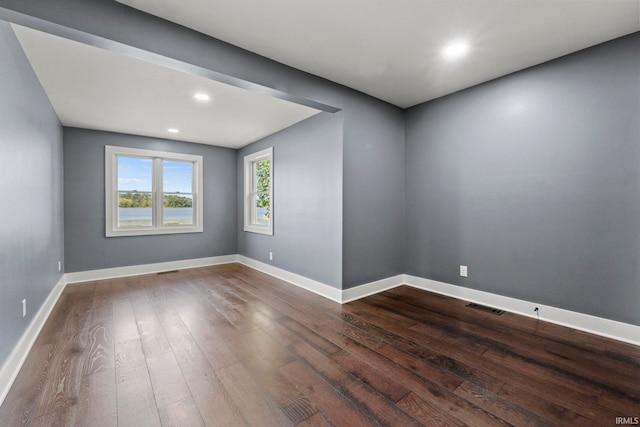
point(152, 192)
point(258, 192)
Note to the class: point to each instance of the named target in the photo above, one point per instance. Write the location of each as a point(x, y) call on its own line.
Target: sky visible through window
point(177, 177)
point(135, 174)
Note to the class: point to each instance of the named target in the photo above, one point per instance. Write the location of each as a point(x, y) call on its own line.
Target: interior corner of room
point(530, 181)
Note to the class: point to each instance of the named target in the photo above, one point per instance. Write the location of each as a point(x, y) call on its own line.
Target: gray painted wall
point(31, 239)
point(307, 238)
point(373, 223)
point(533, 182)
point(373, 130)
point(87, 248)
point(526, 179)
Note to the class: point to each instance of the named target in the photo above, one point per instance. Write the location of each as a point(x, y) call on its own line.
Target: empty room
point(335, 213)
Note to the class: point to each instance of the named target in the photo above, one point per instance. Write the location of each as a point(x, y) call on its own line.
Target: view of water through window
point(142, 217)
point(135, 196)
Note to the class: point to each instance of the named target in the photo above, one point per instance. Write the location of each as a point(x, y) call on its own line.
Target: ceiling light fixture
point(456, 49)
point(173, 130)
point(202, 97)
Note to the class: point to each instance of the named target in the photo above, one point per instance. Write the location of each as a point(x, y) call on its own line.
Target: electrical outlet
point(59, 266)
point(270, 256)
point(464, 271)
point(24, 307)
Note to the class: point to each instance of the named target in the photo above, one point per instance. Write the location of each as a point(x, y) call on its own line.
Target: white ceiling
point(388, 49)
point(391, 49)
point(94, 88)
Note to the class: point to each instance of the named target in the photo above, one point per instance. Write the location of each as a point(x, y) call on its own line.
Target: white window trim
point(249, 206)
point(111, 188)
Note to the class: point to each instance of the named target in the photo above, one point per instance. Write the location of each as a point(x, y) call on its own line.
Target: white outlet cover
point(463, 271)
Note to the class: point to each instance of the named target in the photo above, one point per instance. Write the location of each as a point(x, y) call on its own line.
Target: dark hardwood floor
point(229, 346)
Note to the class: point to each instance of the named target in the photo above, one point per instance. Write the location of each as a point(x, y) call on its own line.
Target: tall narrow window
point(152, 192)
point(258, 192)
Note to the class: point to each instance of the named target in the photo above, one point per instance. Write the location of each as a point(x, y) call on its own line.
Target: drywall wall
point(542, 163)
point(373, 143)
point(373, 223)
point(307, 200)
point(87, 248)
point(533, 182)
point(31, 239)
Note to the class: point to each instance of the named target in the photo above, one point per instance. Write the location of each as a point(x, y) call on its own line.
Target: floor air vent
point(169, 272)
point(485, 308)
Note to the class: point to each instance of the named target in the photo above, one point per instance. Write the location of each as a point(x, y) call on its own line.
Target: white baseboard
point(372, 288)
point(311, 285)
point(582, 322)
point(322, 289)
point(136, 270)
point(11, 367)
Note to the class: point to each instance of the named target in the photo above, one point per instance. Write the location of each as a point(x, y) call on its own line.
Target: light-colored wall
point(307, 175)
point(495, 175)
point(373, 140)
point(533, 182)
point(31, 238)
point(374, 195)
point(87, 248)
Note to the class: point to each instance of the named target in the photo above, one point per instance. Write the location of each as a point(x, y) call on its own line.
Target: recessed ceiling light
point(173, 130)
point(202, 97)
point(456, 49)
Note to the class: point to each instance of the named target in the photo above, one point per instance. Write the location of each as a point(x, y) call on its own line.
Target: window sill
point(152, 231)
point(268, 230)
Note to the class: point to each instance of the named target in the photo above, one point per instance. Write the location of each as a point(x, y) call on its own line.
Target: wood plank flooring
point(229, 346)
